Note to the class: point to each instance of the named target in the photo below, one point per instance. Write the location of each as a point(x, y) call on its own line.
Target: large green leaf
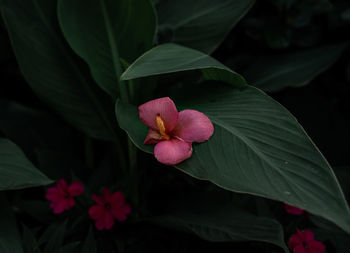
point(89, 245)
point(169, 58)
point(16, 171)
point(39, 129)
point(200, 24)
point(53, 237)
point(30, 245)
point(298, 68)
point(10, 240)
point(258, 148)
point(215, 218)
point(113, 29)
point(51, 69)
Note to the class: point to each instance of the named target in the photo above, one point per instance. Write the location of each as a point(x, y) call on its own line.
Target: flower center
point(107, 206)
point(161, 127)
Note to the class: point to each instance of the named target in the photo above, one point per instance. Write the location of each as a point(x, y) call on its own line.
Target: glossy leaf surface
point(200, 24)
point(258, 147)
point(293, 69)
point(105, 30)
point(10, 240)
point(170, 58)
point(51, 69)
point(16, 171)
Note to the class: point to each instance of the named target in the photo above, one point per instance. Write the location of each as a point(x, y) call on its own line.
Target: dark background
point(322, 106)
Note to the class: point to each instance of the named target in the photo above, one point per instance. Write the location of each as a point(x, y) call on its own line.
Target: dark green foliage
point(73, 73)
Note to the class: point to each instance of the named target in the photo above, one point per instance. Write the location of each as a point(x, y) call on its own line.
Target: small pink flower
point(109, 207)
point(304, 242)
point(62, 195)
point(293, 209)
point(173, 132)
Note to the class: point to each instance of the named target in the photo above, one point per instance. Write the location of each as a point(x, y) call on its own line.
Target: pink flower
point(109, 207)
point(173, 132)
point(293, 209)
point(62, 195)
point(304, 242)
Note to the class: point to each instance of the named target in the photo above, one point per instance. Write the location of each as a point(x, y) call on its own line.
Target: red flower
point(173, 132)
point(109, 207)
point(62, 195)
point(304, 242)
point(293, 209)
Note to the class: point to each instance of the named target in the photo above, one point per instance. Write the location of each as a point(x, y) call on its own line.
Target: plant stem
point(133, 171)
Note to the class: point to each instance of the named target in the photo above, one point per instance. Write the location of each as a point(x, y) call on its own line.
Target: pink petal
point(70, 203)
point(109, 220)
point(75, 189)
point(308, 235)
point(193, 126)
point(96, 212)
point(53, 194)
point(100, 223)
point(117, 198)
point(97, 199)
point(316, 247)
point(164, 107)
point(121, 212)
point(293, 209)
point(300, 249)
point(106, 194)
point(173, 151)
point(62, 184)
point(58, 207)
point(152, 137)
point(294, 240)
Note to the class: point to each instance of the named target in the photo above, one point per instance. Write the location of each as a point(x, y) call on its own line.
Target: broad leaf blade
point(10, 240)
point(68, 248)
point(200, 24)
point(170, 58)
point(39, 129)
point(113, 29)
point(16, 171)
point(292, 69)
point(51, 69)
point(257, 148)
point(214, 218)
point(55, 237)
point(30, 245)
point(89, 245)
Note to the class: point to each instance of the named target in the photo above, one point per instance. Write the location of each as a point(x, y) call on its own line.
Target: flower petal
point(62, 184)
point(97, 199)
point(121, 213)
point(294, 240)
point(53, 194)
point(164, 107)
point(117, 198)
point(59, 207)
point(106, 194)
point(308, 235)
point(293, 209)
point(100, 223)
point(173, 151)
point(75, 188)
point(96, 212)
point(109, 220)
point(316, 247)
point(70, 202)
point(300, 249)
point(152, 137)
point(193, 126)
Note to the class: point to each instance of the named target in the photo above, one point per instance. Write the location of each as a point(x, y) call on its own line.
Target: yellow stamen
point(161, 127)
